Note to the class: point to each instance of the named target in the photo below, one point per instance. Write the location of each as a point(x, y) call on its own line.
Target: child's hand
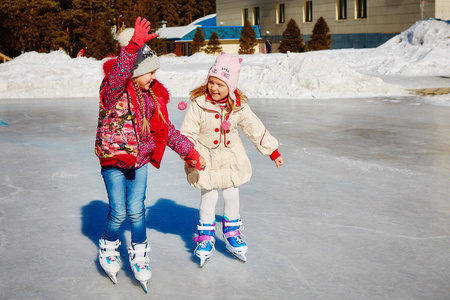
point(195, 160)
point(279, 161)
point(200, 164)
point(141, 29)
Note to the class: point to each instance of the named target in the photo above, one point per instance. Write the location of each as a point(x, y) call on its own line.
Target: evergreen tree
point(208, 7)
point(169, 12)
point(320, 38)
point(247, 41)
point(198, 42)
point(104, 43)
point(213, 44)
point(188, 11)
point(91, 14)
point(158, 45)
point(28, 26)
point(292, 39)
point(46, 25)
point(127, 11)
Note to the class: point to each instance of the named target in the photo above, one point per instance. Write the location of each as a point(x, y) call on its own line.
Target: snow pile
point(296, 75)
point(422, 50)
point(52, 75)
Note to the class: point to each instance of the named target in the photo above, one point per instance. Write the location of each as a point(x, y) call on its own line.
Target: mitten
point(140, 35)
point(193, 156)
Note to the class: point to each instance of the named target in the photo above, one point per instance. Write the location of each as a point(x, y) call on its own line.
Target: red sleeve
point(275, 154)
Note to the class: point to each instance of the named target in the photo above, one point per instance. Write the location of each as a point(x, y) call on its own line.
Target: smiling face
point(217, 88)
point(144, 81)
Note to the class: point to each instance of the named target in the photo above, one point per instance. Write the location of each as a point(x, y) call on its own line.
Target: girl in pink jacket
point(211, 122)
point(133, 130)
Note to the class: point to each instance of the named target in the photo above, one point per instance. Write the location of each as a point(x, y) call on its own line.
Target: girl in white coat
point(211, 122)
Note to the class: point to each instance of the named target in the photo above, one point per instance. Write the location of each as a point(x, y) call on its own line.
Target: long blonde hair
point(141, 100)
point(203, 90)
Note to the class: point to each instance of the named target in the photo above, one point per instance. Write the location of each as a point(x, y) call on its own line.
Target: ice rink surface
point(360, 210)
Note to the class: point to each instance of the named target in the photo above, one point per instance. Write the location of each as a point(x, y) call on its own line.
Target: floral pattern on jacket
point(120, 142)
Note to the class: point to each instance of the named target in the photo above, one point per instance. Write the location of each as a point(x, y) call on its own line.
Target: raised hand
point(141, 35)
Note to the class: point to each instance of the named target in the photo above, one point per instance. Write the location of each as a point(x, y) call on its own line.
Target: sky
point(419, 57)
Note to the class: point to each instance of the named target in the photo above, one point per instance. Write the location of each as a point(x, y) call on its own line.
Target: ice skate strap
point(206, 227)
point(231, 233)
point(228, 223)
point(109, 254)
point(140, 251)
point(201, 238)
point(110, 245)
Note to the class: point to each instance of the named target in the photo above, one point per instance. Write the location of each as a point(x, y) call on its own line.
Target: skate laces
point(233, 232)
point(204, 246)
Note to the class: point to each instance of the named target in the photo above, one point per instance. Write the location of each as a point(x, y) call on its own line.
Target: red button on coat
point(228, 130)
point(228, 142)
point(217, 116)
point(216, 130)
point(216, 142)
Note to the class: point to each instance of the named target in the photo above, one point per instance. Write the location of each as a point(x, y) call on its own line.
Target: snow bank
point(422, 50)
point(50, 75)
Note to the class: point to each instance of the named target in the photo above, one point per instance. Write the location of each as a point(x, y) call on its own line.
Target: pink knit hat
point(226, 68)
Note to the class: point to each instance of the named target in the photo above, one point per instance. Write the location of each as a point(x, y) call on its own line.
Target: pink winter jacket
point(120, 142)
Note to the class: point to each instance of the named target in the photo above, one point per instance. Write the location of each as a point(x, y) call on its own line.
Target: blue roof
point(224, 32)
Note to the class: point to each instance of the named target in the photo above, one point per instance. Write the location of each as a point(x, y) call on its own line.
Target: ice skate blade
point(240, 257)
point(112, 276)
point(203, 261)
point(144, 286)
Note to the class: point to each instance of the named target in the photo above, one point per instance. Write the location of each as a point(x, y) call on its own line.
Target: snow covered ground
point(416, 58)
point(359, 211)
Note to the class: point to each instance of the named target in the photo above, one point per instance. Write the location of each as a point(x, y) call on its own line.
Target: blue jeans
point(126, 192)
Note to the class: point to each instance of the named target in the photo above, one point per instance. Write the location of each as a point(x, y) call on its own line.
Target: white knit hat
point(146, 61)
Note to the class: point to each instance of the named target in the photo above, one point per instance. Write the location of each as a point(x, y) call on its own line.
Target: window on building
point(308, 17)
point(341, 9)
point(361, 9)
point(255, 15)
point(244, 15)
point(280, 14)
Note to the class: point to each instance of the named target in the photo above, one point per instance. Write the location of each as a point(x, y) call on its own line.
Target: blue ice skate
point(205, 241)
point(232, 236)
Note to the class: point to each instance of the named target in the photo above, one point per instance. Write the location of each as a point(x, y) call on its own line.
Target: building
point(179, 39)
point(352, 23)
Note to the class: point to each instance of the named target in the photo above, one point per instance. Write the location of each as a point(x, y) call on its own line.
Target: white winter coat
point(227, 164)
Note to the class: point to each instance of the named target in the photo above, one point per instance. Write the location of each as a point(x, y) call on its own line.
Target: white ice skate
point(139, 261)
point(233, 241)
point(205, 241)
point(109, 258)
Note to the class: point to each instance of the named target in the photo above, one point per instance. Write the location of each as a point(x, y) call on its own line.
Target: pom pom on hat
point(125, 36)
